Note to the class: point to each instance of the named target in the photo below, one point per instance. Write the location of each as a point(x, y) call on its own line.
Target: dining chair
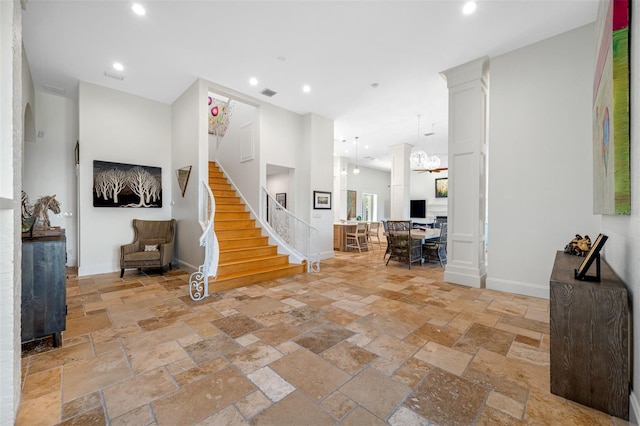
point(401, 246)
point(373, 230)
point(358, 239)
point(438, 247)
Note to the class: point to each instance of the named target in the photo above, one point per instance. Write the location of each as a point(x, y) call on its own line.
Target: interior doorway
point(369, 207)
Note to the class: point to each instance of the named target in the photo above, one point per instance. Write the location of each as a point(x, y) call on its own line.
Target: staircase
point(245, 254)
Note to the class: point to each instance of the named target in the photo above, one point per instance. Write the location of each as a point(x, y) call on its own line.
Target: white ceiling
point(339, 48)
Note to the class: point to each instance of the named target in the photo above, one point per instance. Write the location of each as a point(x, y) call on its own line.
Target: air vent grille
point(268, 92)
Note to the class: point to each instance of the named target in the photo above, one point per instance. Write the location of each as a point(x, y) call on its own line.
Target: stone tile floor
point(356, 344)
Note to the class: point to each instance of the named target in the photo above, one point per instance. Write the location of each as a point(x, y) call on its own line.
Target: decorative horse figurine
point(48, 202)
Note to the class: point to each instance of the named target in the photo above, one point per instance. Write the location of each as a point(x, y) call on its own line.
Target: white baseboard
point(186, 266)
point(96, 270)
point(634, 409)
point(526, 289)
point(477, 281)
point(327, 255)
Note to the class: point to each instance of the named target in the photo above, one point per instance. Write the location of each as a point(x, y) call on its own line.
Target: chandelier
point(420, 159)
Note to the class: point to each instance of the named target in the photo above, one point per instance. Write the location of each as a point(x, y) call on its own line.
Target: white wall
point(122, 128)
point(370, 181)
point(622, 250)
point(278, 183)
point(49, 163)
point(423, 187)
point(11, 111)
point(540, 186)
point(188, 129)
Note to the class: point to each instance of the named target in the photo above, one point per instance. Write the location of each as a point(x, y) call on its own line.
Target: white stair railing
point(199, 280)
point(292, 231)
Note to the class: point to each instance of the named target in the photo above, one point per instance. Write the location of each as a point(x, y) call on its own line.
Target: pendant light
point(356, 170)
point(420, 159)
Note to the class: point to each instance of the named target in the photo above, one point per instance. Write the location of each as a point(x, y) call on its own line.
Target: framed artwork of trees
point(126, 185)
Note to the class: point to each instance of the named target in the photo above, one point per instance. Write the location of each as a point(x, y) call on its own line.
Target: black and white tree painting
point(126, 185)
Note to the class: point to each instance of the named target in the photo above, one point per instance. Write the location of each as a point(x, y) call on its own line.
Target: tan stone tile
point(338, 405)
point(177, 330)
point(94, 416)
point(527, 324)
point(132, 317)
point(276, 334)
point(481, 336)
point(237, 325)
point(39, 384)
point(391, 348)
point(203, 397)
point(321, 338)
point(523, 373)
point(138, 391)
point(81, 405)
point(43, 411)
point(446, 358)
point(504, 385)
point(527, 340)
point(228, 416)
point(505, 404)
point(445, 398)
point(295, 409)
point(90, 375)
point(152, 357)
point(252, 404)
point(529, 353)
point(197, 372)
point(411, 372)
point(443, 335)
point(310, 373)
point(492, 417)
point(360, 416)
point(507, 307)
point(79, 326)
point(546, 408)
point(210, 349)
point(271, 384)
point(376, 392)
point(341, 317)
point(349, 357)
point(253, 357)
point(405, 417)
point(59, 357)
point(139, 416)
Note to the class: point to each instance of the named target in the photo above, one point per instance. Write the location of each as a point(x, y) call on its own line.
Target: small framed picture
point(321, 200)
point(281, 198)
point(593, 254)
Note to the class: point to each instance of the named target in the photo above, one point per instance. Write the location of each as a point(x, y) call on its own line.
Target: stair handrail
point(313, 261)
point(290, 230)
point(199, 280)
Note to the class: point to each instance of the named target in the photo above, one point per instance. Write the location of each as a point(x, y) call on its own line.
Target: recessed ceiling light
point(469, 7)
point(306, 88)
point(118, 66)
point(366, 147)
point(138, 9)
point(253, 81)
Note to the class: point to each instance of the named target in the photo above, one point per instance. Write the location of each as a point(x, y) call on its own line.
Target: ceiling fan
point(435, 170)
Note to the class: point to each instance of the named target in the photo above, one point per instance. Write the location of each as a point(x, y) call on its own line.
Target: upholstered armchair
point(152, 245)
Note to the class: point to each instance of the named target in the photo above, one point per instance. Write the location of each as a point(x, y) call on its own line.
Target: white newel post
point(400, 179)
point(468, 92)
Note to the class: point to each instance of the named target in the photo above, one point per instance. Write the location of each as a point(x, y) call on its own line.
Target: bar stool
point(358, 239)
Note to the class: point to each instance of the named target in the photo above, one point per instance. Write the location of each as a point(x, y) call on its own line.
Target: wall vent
point(268, 92)
point(53, 89)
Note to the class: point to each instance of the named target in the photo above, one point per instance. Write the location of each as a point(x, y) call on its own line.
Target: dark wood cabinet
point(590, 325)
point(44, 308)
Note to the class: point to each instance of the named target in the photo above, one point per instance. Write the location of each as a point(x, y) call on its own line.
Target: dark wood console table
point(590, 326)
point(44, 305)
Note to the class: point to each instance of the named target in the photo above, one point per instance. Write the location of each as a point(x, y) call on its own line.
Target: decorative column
point(468, 91)
point(400, 180)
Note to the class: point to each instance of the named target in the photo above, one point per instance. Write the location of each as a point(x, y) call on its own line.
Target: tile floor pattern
point(356, 344)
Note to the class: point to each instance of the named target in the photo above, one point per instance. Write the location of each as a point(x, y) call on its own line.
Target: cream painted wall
point(540, 186)
point(188, 129)
point(122, 128)
point(49, 163)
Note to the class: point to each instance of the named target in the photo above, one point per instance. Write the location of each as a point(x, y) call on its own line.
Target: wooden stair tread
point(253, 259)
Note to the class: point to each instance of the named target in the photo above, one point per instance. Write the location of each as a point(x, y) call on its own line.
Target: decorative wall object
point(321, 200)
point(246, 142)
point(281, 198)
point(442, 187)
point(183, 178)
point(611, 169)
point(351, 204)
point(219, 114)
point(126, 185)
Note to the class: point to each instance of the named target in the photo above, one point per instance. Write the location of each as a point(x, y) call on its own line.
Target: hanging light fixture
point(420, 159)
point(356, 170)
